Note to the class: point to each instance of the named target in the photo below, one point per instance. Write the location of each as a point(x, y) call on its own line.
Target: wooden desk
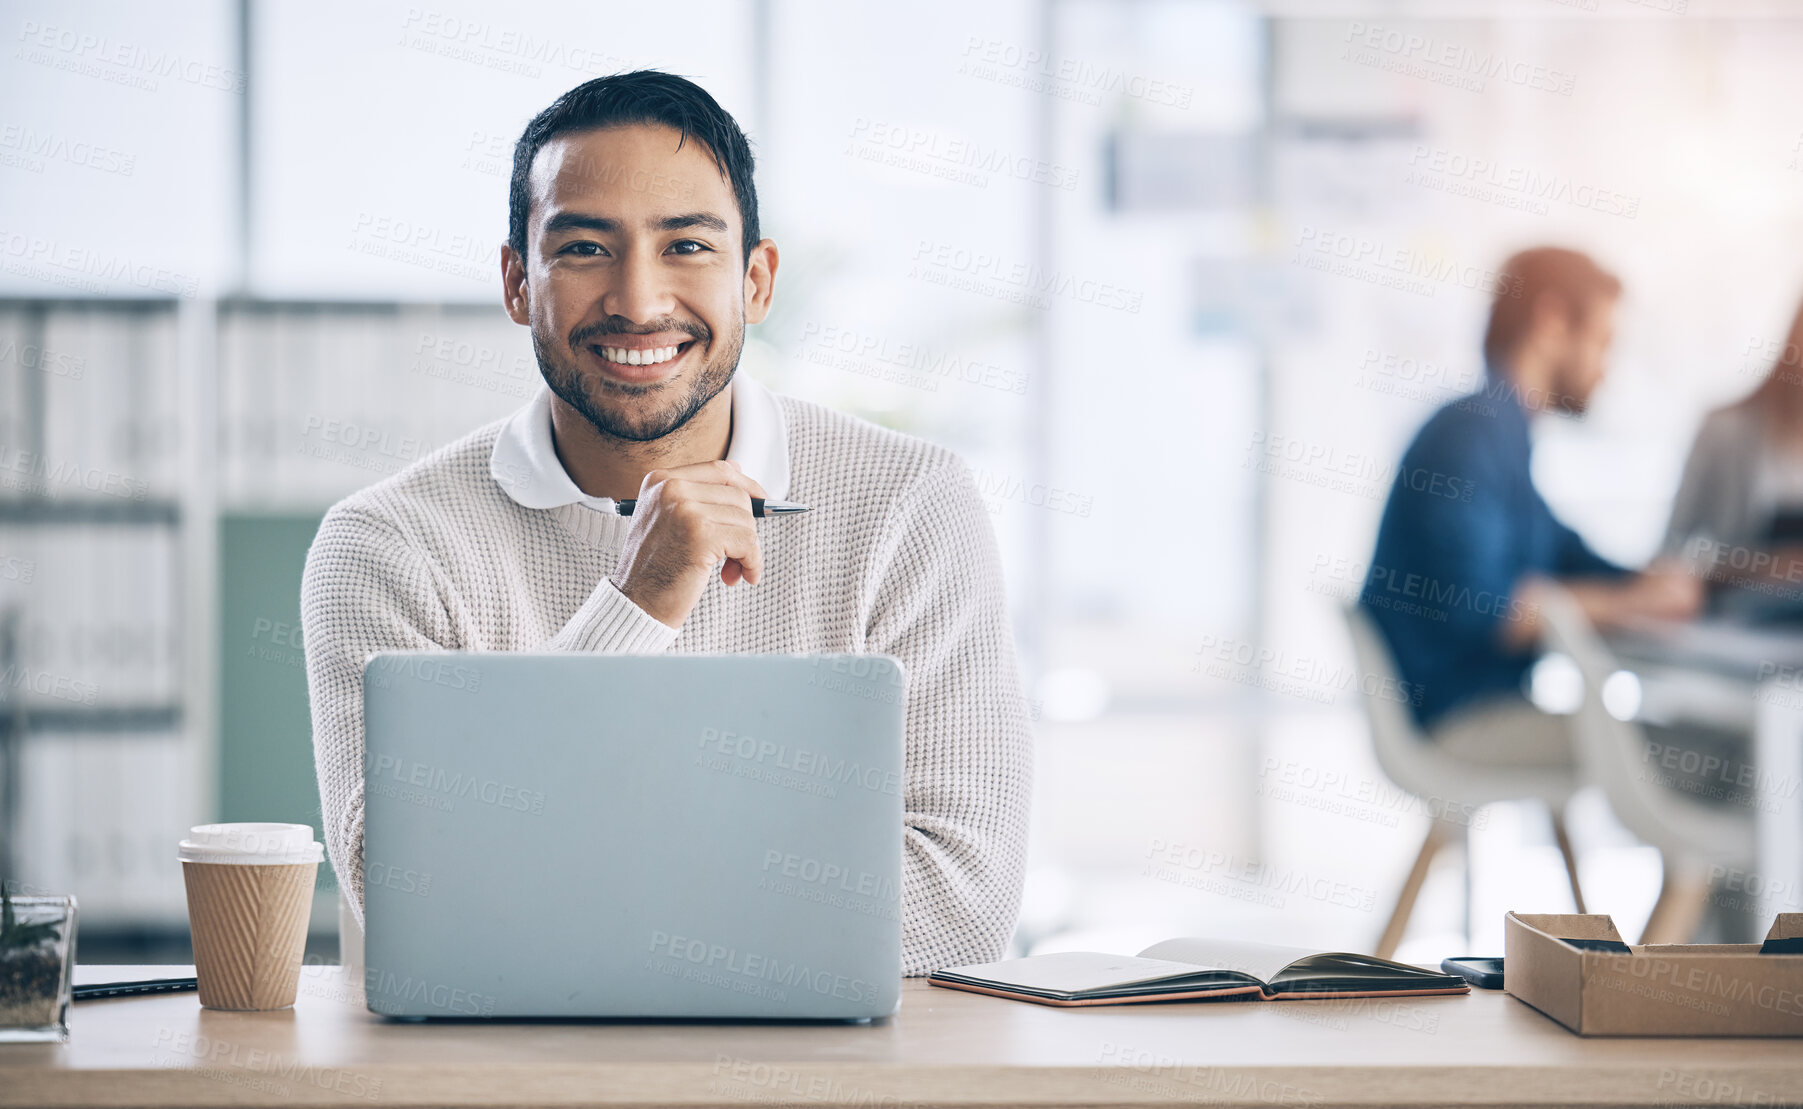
point(944, 1048)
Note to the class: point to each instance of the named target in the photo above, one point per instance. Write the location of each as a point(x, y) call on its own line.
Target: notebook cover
point(1129, 999)
point(1307, 995)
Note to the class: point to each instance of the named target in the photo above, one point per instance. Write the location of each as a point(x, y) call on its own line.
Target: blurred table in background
point(1734, 676)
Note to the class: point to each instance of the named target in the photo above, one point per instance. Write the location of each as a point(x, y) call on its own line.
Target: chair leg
point(1571, 860)
point(1411, 889)
point(1683, 896)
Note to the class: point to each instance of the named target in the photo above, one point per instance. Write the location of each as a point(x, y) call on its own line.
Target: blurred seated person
point(1466, 539)
point(1738, 518)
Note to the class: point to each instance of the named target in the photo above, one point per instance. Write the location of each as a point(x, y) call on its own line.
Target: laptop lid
point(581, 835)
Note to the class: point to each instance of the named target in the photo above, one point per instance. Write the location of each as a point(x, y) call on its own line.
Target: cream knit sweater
point(897, 557)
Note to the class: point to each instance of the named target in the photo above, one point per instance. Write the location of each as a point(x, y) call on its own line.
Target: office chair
point(1416, 764)
point(1688, 834)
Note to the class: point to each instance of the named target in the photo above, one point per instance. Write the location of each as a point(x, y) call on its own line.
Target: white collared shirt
point(525, 462)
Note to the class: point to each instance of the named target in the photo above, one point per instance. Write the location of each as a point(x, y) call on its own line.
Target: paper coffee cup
point(250, 894)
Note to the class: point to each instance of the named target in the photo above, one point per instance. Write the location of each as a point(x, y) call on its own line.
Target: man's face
point(634, 284)
point(1582, 360)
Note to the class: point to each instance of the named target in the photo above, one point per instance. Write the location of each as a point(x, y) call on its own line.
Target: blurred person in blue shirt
point(1466, 538)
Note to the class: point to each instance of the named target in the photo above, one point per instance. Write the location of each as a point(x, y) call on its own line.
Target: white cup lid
point(251, 844)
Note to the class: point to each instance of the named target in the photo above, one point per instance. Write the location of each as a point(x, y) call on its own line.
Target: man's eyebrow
point(578, 221)
point(692, 219)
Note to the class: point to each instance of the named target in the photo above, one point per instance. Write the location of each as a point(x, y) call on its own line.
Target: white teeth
point(639, 357)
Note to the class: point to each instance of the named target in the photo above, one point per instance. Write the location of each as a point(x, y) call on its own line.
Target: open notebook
point(1196, 968)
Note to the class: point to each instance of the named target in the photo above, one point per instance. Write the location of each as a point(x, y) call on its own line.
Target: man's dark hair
point(1565, 275)
point(644, 96)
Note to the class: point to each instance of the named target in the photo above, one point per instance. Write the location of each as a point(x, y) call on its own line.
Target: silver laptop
point(578, 835)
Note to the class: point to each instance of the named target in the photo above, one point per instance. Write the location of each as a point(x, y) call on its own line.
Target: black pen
point(759, 507)
point(95, 990)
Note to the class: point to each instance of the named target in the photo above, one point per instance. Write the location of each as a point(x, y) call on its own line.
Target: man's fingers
point(730, 534)
point(709, 473)
point(703, 492)
point(739, 542)
point(742, 548)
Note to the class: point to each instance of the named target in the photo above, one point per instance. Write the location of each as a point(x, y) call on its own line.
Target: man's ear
point(760, 281)
point(1554, 314)
point(513, 286)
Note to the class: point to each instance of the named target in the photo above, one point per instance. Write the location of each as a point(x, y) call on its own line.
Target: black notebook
point(1181, 969)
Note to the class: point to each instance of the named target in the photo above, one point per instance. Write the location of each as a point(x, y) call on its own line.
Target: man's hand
point(1665, 590)
point(687, 520)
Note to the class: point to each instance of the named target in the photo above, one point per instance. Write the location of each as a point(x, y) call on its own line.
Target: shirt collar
point(524, 461)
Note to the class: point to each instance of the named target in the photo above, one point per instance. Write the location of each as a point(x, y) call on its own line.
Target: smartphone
point(1485, 974)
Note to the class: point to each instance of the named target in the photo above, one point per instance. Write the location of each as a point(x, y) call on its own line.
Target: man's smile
point(641, 359)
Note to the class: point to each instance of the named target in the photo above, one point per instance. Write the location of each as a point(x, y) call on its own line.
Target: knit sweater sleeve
point(365, 589)
point(941, 609)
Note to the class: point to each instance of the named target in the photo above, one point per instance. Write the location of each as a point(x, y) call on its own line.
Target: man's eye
point(584, 248)
point(679, 244)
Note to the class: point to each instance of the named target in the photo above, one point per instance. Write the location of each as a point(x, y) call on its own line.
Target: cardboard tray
point(1552, 963)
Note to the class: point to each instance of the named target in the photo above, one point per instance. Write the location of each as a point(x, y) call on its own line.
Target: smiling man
point(634, 258)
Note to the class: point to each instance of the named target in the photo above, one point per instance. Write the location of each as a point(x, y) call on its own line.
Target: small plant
point(35, 953)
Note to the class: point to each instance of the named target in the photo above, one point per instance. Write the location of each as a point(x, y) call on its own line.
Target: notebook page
point(1263, 961)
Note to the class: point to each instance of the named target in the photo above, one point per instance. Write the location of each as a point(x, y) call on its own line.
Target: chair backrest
point(1395, 737)
point(1611, 751)
point(1410, 758)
